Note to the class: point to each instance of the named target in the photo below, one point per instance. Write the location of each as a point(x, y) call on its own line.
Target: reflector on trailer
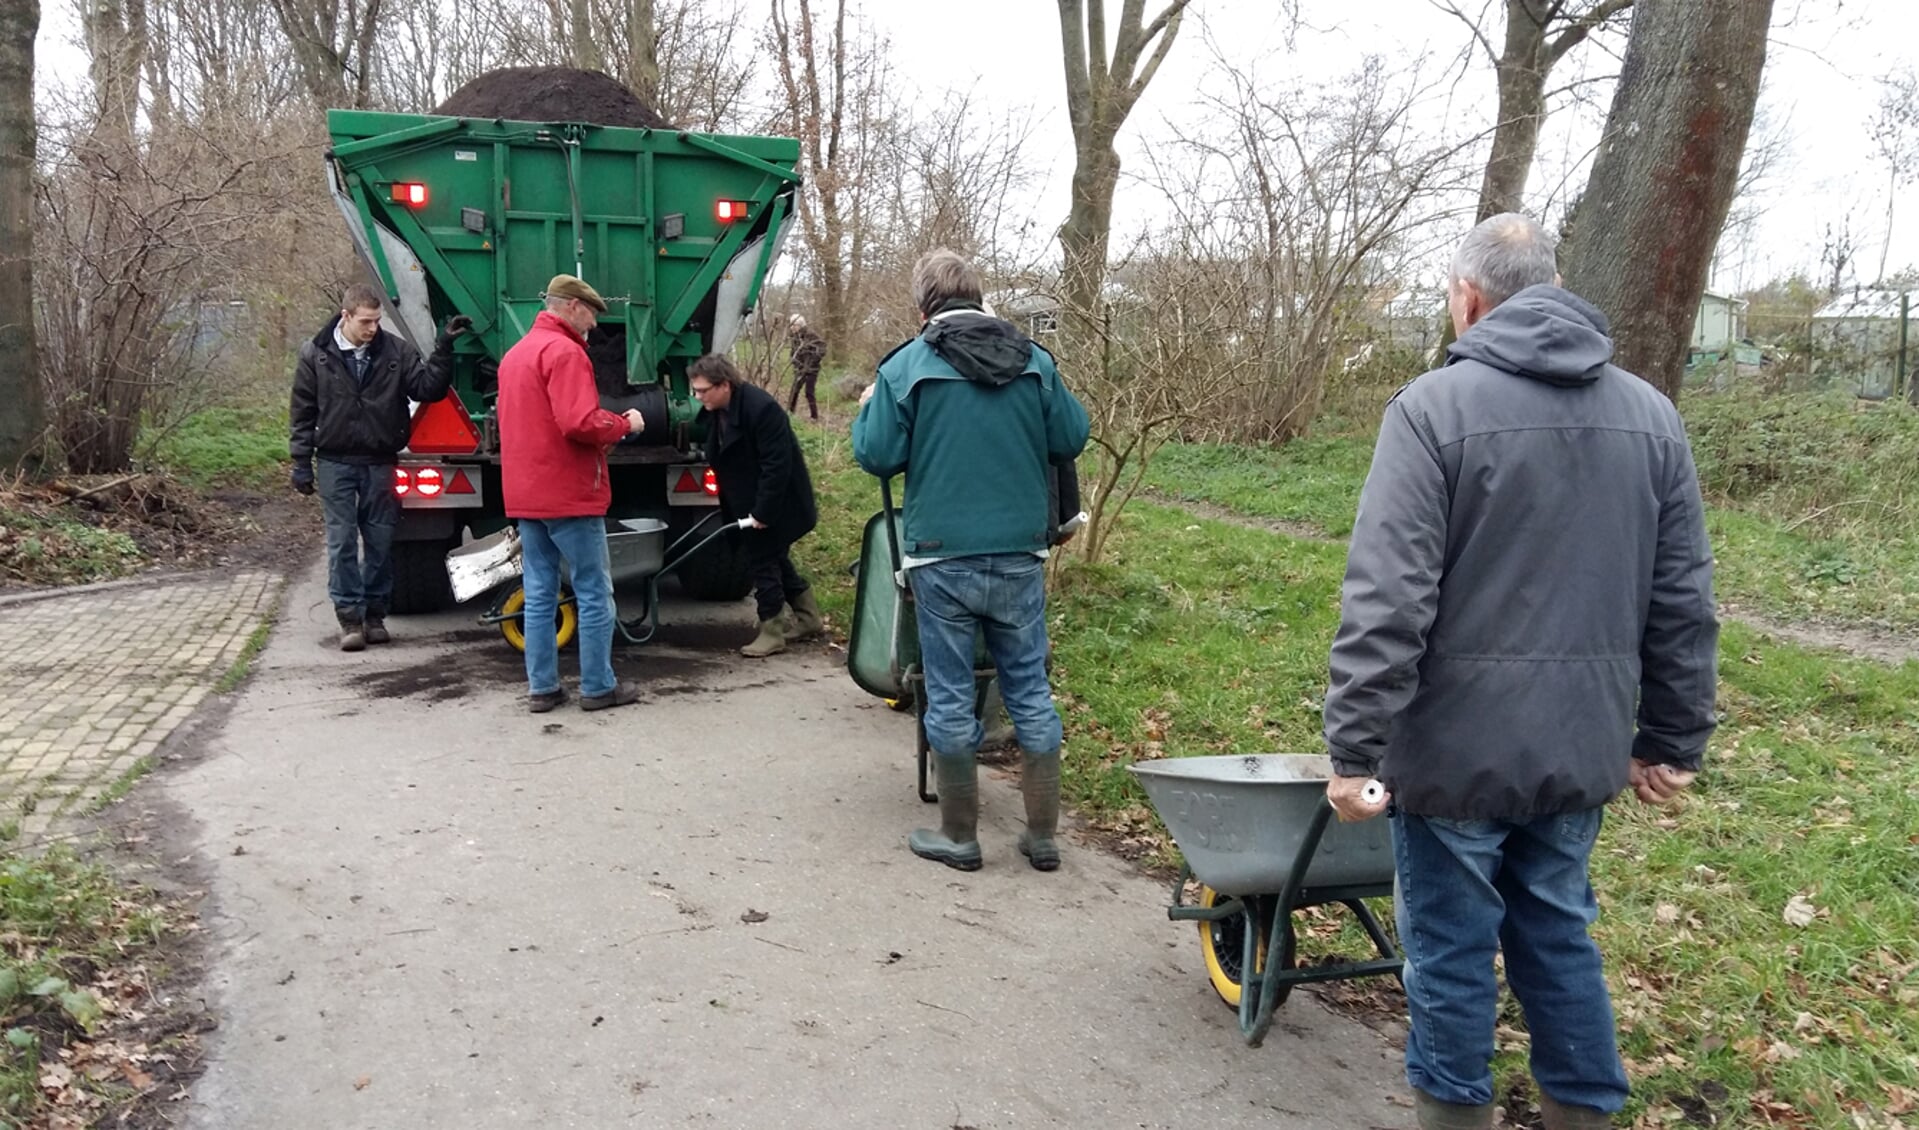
point(412, 194)
point(687, 484)
point(460, 484)
point(443, 428)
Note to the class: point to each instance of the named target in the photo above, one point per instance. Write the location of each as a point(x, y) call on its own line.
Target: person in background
point(553, 478)
point(350, 419)
point(809, 351)
point(1527, 629)
point(762, 476)
point(976, 416)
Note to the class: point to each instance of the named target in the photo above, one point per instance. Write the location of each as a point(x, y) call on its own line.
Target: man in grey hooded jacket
point(1527, 629)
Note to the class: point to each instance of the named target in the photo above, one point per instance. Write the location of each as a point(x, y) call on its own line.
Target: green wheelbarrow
point(1260, 837)
point(883, 647)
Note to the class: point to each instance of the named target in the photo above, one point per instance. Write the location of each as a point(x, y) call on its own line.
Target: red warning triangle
point(443, 428)
point(687, 484)
point(460, 484)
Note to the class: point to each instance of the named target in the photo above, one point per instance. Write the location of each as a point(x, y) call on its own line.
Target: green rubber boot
point(956, 842)
point(1435, 1115)
point(773, 636)
point(806, 616)
point(1554, 1115)
point(1039, 785)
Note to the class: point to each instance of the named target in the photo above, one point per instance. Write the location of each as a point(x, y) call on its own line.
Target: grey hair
point(556, 302)
point(1504, 255)
point(942, 276)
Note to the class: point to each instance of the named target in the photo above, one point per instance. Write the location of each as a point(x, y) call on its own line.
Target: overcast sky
point(1820, 96)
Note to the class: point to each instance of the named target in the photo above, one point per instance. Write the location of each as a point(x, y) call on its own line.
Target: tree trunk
point(1643, 234)
point(1538, 36)
point(642, 65)
point(24, 417)
point(1100, 93)
point(586, 53)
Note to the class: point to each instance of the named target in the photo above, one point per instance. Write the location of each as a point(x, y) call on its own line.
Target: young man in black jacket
point(350, 419)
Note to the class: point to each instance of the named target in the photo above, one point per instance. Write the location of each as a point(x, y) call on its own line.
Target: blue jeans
point(1004, 596)
point(1469, 888)
point(581, 544)
point(361, 511)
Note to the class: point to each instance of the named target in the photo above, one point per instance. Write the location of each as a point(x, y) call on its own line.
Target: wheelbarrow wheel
point(1223, 944)
point(566, 623)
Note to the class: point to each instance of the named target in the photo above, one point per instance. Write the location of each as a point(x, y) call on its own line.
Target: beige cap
point(566, 286)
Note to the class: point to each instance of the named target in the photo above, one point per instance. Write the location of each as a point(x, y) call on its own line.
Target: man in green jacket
point(975, 414)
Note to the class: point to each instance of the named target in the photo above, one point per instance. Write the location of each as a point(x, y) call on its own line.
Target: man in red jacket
point(553, 441)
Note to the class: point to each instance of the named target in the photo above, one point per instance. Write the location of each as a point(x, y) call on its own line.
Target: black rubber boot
point(956, 842)
point(1039, 785)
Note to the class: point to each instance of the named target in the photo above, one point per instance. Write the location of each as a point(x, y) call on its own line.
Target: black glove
point(455, 326)
point(303, 477)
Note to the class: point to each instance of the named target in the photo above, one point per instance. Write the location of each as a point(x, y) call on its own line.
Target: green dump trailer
point(677, 230)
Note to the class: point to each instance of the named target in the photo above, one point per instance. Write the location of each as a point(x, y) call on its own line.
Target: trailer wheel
point(565, 625)
point(419, 576)
point(717, 572)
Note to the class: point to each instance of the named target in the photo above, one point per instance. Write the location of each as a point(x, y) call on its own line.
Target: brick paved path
point(92, 682)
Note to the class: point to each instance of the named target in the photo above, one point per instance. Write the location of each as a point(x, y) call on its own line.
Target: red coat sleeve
point(576, 402)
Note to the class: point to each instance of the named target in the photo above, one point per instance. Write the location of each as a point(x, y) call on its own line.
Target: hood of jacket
point(983, 349)
point(1544, 333)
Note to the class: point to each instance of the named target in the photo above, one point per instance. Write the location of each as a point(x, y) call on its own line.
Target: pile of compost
point(551, 94)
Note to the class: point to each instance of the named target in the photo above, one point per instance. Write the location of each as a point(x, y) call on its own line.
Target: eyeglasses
point(699, 392)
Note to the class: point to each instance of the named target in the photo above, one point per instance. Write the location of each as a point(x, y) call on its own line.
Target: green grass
point(63, 923)
point(1199, 636)
point(236, 673)
point(1313, 482)
point(112, 794)
point(227, 447)
point(48, 549)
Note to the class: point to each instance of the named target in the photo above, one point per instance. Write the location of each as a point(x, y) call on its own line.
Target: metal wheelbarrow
point(636, 552)
point(883, 647)
point(1260, 837)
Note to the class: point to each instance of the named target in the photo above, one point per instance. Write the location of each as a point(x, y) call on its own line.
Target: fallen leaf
point(1800, 912)
point(1666, 913)
point(752, 916)
point(362, 1082)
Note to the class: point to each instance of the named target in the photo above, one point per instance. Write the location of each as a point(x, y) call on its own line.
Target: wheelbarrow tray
point(636, 550)
point(883, 644)
point(1241, 820)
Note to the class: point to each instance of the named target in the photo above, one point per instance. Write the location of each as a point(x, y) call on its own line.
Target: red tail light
point(402, 481)
point(711, 483)
point(730, 210)
point(412, 194)
point(429, 482)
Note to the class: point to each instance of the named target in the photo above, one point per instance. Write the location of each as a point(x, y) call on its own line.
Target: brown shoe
point(376, 631)
point(625, 694)
point(541, 703)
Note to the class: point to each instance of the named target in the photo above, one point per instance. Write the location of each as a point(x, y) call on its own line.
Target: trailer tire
point(716, 573)
point(419, 577)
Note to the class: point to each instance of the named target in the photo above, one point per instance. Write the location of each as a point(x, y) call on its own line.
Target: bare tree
point(586, 52)
point(1101, 90)
point(1668, 165)
point(642, 59)
point(24, 418)
point(1895, 134)
point(832, 79)
point(333, 44)
point(1538, 35)
point(1299, 216)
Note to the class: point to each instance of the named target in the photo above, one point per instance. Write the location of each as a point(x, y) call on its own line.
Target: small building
point(1719, 322)
point(1855, 340)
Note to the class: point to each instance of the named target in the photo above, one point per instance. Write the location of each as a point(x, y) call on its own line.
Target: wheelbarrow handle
point(670, 562)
